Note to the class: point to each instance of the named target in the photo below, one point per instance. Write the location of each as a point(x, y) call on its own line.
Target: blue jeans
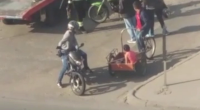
point(130, 24)
point(140, 43)
point(151, 30)
point(65, 64)
point(138, 35)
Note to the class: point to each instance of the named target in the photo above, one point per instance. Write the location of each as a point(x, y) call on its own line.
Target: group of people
point(139, 21)
point(138, 17)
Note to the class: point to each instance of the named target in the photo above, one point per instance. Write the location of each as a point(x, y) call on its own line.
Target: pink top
point(130, 57)
point(138, 20)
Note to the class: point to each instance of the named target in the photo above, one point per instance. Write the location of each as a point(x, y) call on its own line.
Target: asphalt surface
point(29, 67)
point(13, 104)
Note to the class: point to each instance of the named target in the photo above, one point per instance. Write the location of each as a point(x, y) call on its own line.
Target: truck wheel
point(51, 18)
point(8, 21)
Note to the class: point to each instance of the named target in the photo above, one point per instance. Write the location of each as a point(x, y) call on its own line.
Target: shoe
point(131, 41)
point(165, 32)
point(59, 85)
point(87, 69)
point(148, 35)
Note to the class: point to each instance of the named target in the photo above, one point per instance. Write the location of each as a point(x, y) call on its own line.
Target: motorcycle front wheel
point(98, 17)
point(77, 83)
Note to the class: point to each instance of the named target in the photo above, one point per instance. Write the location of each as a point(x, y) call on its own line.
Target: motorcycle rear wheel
point(77, 83)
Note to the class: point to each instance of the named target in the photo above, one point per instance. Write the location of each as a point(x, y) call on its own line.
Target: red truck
point(45, 11)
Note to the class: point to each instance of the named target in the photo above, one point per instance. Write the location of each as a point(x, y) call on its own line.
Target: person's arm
point(64, 39)
point(145, 20)
point(126, 58)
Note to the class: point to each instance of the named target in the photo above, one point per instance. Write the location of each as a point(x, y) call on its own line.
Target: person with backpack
point(127, 12)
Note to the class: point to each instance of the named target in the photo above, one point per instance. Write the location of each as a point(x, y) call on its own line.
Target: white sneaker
point(148, 35)
point(59, 85)
point(131, 41)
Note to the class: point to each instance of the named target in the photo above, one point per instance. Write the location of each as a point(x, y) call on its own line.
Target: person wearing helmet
point(80, 7)
point(67, 44)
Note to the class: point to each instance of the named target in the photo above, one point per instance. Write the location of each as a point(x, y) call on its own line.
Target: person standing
point(159, 11)
point(80, 8)
point(127, 12)
point(143, 24)
point(148, 5)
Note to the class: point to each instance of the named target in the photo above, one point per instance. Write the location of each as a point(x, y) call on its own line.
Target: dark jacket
point(145, 22)
point(126, 8)
point(157, 4)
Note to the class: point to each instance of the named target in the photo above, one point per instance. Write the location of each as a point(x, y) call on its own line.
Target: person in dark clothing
point(127, 12)
point(143, 24)
point(80, 7)
point(150, 10)
point(159, 14)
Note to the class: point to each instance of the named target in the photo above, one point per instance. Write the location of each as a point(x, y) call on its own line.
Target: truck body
point(30, 10)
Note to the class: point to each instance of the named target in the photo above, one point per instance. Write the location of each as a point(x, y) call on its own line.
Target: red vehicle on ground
point(46, 11)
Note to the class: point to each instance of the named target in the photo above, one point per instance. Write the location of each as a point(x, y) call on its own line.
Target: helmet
point(73, 25)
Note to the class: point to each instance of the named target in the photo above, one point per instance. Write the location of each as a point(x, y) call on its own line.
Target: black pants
point(80, 7)
point(150, 14)
point(159, 14)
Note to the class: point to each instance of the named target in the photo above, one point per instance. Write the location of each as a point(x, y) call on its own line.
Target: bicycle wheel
point(150, 47)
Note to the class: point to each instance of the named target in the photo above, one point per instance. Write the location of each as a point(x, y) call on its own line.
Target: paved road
point(29, 67)
point(10, 104)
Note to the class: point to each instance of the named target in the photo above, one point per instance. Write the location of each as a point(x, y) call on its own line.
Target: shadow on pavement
point(112, 27)
point(183, 30)
point(60, 28)
point(106, 83)
point(173, 58)
point(176, 9)
point(183, 82)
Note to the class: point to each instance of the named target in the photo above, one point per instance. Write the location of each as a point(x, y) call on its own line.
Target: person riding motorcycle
point(69, 43)
point(80, 8)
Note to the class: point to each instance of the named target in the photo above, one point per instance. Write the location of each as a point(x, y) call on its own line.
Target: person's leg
point(138, 39)
point(151, 18)
point(129, 23)
point(85, 62)
point(159, 14)
point(80, 9)
point(63, 70)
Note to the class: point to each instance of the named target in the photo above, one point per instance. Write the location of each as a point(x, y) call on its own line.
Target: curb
point(132, 99)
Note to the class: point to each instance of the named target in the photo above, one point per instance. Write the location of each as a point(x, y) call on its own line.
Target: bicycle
point(148, 43)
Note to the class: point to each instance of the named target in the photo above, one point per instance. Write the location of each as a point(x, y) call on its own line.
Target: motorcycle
point(77, 81)
point(99, 12)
